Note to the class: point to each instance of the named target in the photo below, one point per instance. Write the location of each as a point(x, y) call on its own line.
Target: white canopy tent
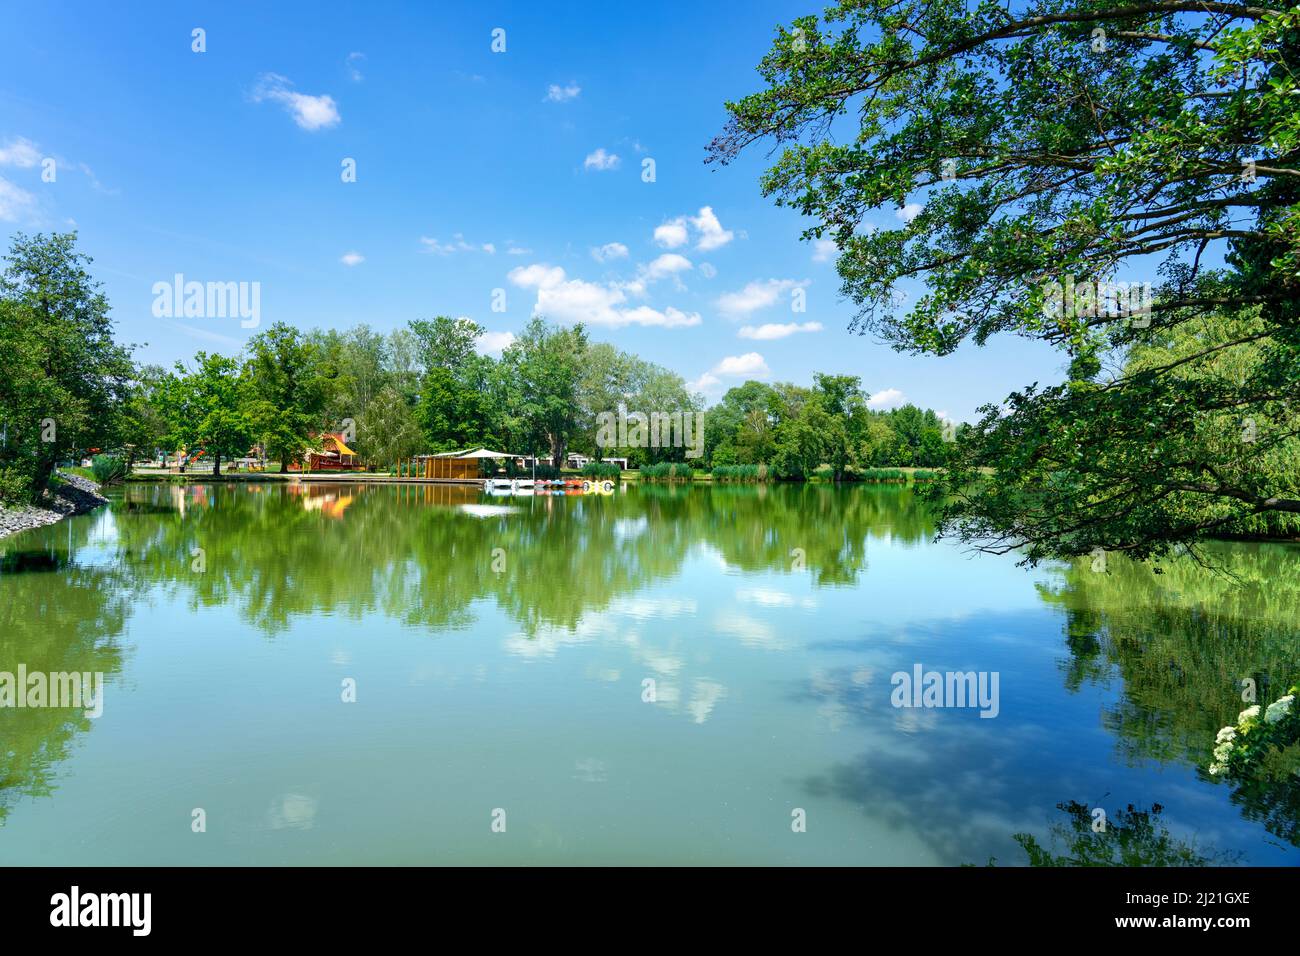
point(484, 453)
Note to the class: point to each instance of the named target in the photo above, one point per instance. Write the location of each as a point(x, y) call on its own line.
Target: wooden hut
point(455, 465)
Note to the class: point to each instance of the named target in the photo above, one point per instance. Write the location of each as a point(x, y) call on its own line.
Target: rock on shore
point(77, 496)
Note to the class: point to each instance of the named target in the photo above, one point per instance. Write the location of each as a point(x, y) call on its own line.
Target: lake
point(351, 674)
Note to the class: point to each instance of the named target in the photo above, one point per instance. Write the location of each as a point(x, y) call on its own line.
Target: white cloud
point(494, 343)
point(668, 264)
point(756, 295)
point(824, 250)
point(433, 245)
point(774, 330)
point(712, 235)
point(458, 244)
point(708, 231)
point(354, 62)
point(669, 318)
point(751, 363)
point(767, 597)
point(707, 270)
point(24, 154)
point(562, 94)
point(94, 180)
point(705, 383)
point(601, 161)
point(15, 203)
point(21, 153)
point(537, 275)
point(352, 259)
point(671, 234)
point(908, 212)
point(610, 250)
point(309, 112)
point(576, 300)
point(569, 300)
point(514, 250)
point(886, 398)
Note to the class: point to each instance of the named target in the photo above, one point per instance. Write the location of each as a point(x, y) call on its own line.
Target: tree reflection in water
point(56, 615)
point(413, 554)
point(1187, 643)
point(1173, 647)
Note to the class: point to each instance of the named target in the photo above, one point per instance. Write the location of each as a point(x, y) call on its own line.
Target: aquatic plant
point(667, 471)
point(747, 473)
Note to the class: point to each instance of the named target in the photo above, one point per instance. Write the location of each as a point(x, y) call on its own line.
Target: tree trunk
point(216, 466)
point(557, 453)
point(44, 471)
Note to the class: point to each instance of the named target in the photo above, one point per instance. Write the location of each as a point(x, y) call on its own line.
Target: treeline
point(70, 389)
point(795, 432)
point(422, 388)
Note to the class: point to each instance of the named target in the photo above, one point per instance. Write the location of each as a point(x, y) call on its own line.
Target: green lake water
point(664, 675)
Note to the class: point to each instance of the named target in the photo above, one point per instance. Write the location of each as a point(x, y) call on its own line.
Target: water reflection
point(1133, 837)
point(758, 609)
point(56, 615)
point(1191, 647)
point(424, 554)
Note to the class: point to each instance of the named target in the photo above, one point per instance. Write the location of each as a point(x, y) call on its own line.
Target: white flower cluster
point(1226, 738)
point(1279, 709)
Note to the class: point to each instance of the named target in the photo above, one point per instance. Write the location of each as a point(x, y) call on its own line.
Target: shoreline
point(76, 496)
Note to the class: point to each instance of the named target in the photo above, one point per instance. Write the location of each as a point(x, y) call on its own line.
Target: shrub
point(601, 469)
point(667, 471)
point(883, 474)
point(740, 473)
point(16, 479)
point(1260, 742)
point(108, 468)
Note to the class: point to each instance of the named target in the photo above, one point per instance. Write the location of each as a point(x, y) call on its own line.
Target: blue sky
point(475, 171)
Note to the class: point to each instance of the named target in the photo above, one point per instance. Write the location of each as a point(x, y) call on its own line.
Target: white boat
point(503, 487)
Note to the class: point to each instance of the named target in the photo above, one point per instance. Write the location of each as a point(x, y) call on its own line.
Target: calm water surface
point(765, 623)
